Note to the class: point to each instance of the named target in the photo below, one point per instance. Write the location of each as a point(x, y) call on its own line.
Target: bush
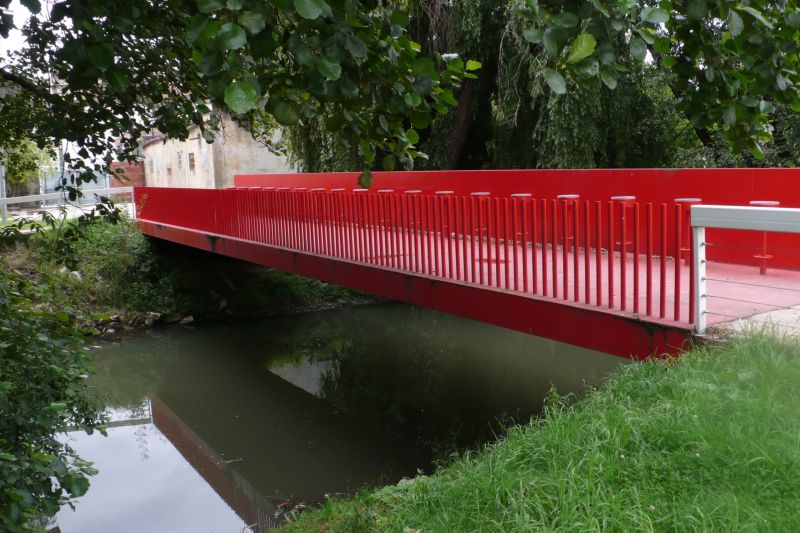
point(42, 392)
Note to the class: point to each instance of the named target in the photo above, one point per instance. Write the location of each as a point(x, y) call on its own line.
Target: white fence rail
point(782, 220)
point(113, 191)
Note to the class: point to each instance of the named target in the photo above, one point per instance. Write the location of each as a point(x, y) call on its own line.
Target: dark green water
point(224, 428)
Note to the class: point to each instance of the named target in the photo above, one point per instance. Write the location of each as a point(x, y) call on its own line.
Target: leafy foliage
point(730, 63)
point(132, 66)
point(23, 161)
point(42, 392)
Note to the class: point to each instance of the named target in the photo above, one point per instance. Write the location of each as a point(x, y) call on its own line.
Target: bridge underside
point(607, 331)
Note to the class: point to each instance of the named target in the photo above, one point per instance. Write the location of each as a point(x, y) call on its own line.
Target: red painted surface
point(494, 242)
point(597, 274)
point(578, 324)
point(651, 186)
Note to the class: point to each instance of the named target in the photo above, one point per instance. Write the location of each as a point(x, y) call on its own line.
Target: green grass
point(709, 442)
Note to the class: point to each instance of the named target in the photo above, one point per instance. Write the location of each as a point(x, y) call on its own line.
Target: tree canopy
point(93, 72)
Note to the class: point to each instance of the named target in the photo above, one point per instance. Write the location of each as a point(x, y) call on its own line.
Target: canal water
point(228, 427)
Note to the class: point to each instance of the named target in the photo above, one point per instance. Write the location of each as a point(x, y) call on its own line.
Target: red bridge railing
point(619, 255)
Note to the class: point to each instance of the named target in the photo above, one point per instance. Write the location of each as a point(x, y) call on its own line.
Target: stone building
point(198, 164)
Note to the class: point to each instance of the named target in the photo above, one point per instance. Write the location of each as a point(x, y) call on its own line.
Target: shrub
point(42, 392)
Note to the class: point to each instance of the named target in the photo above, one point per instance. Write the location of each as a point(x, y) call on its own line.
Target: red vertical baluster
point(489, 234)
point(474, 220)
point(663, 279)
point(396, 231)
point(636, 257)
point(436, 230)
point(611, 255)
point(458, 220)
point(534, 239)
point(427, 210)
point(481, 247)
point(506, 243)
point(587, 276)
point(554, 245)
point(465, 232)
point(623, 256)
point(545, 267)
point(498, 230)
point(405, 232)
point(649, 264)
point(516, 206)
point(452, 236)
point(598, 255)
point(565, 248)
point(418, 264)
point(576, 278)
point(677, 262)
point(692, 294)
point(524, 243)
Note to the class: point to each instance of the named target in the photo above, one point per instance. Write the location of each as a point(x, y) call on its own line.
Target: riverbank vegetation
point(706, 442)
point(110, 276)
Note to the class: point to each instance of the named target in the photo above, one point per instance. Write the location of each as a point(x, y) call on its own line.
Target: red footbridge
point(603, 259)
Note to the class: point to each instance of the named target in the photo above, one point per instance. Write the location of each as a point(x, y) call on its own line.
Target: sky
point(14, 41)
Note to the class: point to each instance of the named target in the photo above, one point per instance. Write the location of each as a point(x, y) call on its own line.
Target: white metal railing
point(777, 219)
point(58, 196)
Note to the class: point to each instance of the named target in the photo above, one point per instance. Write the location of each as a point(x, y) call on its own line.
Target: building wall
point(134, 172)
point(195, 163)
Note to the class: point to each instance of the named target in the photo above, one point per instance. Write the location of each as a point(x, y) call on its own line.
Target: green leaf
point(566, 19)
point(241, 97)
point(329, 67)
point(231, 36)
point(102, 55)
point(400, 18)
point(554, 40)
point(355, 46)
point(472, 65)
point(309, 9)
point(638, 48)
point(756, 14)
point(413, 99)
point(34, 6)
point(697, 9)
point(234, 5)
point(793, 19)
point(365, 179)
point(201, 28)
point(286, 114)
point(654, 15)
point(582, 47)
point(117, 80)
point(253, 22)
point(389, 162)
point(209, 6)
point(555, 80)
point(7, 457)
point(609, 79)
point(412, 136)
point(533, 35)
point(735, 23)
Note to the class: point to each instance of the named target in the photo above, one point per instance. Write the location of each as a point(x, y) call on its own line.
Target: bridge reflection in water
point(277, 413)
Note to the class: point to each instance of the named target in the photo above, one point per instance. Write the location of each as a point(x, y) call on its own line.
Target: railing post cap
point(338, 189)
point(623, 198)
point(385, 190)
point(318, 189)
point(360, 190)
point(413, 191)
point(521, 195)
point(568, 196)
point(480, 193)
point(765, 203)
point(688, 200)
point(445, 192)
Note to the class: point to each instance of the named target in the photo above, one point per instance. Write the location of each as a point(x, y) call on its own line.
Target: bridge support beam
point(568, 322)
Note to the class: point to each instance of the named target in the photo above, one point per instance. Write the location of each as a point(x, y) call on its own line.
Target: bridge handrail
point(777, 219)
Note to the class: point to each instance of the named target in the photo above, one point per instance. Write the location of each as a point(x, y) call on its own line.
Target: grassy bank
point(108, 271)
point(710, 442)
